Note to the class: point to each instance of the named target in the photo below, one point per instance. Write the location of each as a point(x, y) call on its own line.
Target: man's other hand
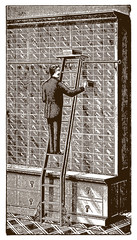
point(85, 85)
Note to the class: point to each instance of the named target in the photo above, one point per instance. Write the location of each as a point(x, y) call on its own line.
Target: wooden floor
point(25, 225)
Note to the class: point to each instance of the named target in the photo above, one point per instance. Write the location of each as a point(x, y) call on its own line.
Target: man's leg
point(57, 132)
point(51, 136)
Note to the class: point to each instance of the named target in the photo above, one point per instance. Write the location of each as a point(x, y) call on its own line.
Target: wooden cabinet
point(101, 136)
point(93, 200)
point(90, 200)
point(23, 193)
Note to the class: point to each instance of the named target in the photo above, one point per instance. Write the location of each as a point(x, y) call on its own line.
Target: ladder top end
point(71, 53)
point(72, 56)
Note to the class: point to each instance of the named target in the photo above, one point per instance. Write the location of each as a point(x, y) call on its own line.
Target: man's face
point(57, 73)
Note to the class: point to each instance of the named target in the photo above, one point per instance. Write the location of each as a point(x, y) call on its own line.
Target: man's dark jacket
point(52, 96)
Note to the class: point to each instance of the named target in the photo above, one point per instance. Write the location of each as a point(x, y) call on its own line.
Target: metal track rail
point(59, 62)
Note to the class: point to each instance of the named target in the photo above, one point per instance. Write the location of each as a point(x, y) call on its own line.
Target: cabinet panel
point(29, 182)
point(90, 190)
point(89, 207)
point(11, 197)
point(28, 199)
point(11, 180)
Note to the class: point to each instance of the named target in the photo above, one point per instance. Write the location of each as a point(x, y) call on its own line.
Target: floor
point(25, 225)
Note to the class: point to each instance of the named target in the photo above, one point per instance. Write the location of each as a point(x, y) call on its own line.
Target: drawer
point(28, 199)
point(89, 207)
point(90, 190)
point(11, 180)
point(11, 197)
point(28, 182)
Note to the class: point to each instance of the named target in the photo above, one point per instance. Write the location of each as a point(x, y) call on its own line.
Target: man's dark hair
point(52, 69)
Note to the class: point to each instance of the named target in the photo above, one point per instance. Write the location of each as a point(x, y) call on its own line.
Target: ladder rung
point(49, 202)
point(57, 195)
point(58, 154)
point(51, 211)
point(69, 71)
point(67, 106)
point(71, 56)
point(52, 170)
point(50, 185)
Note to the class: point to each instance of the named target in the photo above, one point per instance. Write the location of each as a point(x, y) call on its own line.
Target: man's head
point(54, 71)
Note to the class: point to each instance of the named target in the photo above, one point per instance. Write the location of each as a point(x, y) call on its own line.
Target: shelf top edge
point(56, 173)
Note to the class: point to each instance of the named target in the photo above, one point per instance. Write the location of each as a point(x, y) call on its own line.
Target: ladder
point(65, 155)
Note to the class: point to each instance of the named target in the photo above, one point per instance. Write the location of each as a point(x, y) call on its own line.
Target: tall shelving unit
point(98, 174)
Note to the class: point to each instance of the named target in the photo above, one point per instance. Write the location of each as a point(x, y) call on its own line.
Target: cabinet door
point(28, 182)
point(28, 199)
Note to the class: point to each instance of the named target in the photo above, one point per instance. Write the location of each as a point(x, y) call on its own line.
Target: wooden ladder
point(65, 155)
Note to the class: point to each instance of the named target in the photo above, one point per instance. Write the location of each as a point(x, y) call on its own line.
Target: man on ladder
point(52, 95)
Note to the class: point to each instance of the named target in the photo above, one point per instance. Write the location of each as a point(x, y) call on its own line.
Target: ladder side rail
point(62, 68)
point(72, 115)
point(42, 193)
point(64, 167)
point(42, 190)
point(65, 160)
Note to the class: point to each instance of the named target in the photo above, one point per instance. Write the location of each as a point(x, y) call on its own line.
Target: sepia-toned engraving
point(68, 120)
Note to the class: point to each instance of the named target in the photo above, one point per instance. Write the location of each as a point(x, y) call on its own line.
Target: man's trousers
point(54, 128)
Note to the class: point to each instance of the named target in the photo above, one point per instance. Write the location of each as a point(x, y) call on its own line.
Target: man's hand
point(85, 85)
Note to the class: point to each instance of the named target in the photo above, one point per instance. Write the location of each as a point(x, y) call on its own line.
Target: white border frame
point(3, 107)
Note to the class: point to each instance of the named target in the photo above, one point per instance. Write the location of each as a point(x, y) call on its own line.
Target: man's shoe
point(60, 153)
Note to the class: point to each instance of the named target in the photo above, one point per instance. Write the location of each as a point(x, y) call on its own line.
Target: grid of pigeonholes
point(30, 51)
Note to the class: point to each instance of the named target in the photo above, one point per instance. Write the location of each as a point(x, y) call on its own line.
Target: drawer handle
point(31, 201)
point(87, 208)
point(88, 190)
point(32, 184)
